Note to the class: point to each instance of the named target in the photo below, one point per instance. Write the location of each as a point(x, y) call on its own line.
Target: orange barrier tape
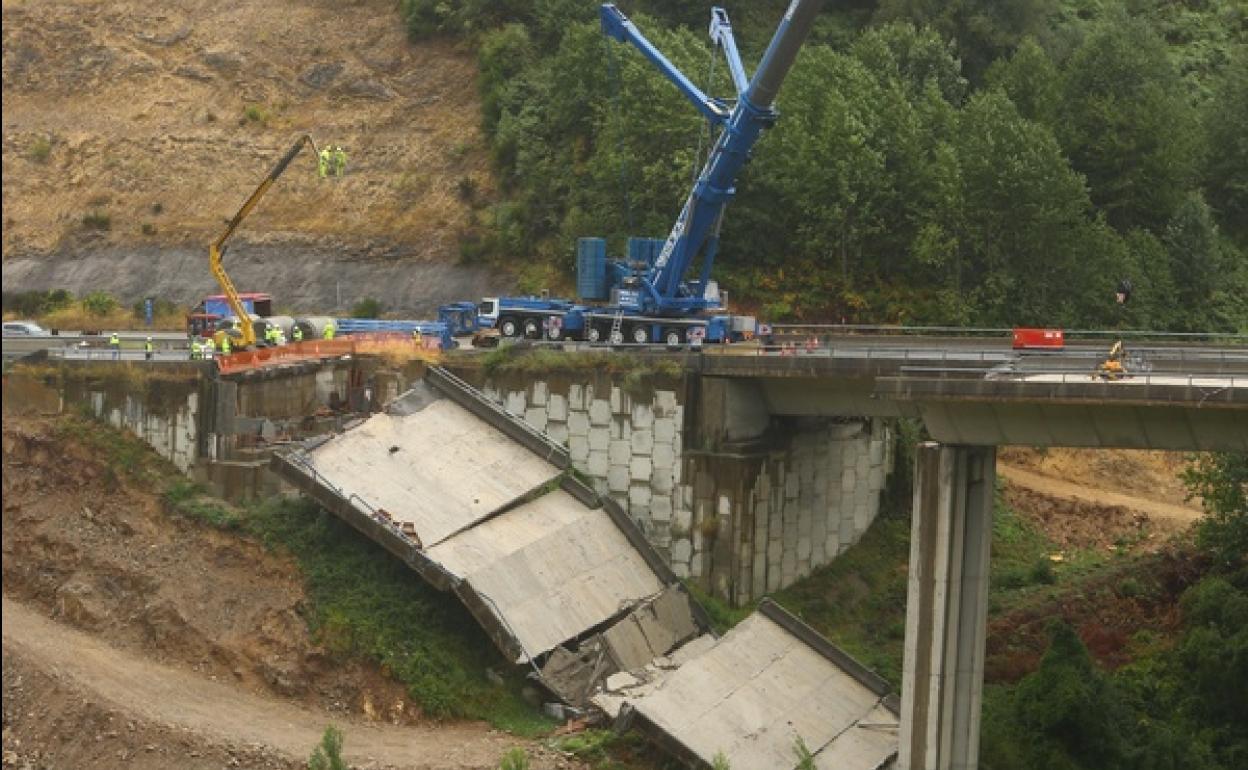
point(297, 351)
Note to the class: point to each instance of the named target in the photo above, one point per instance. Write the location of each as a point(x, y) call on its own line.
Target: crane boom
point(696, 230)
point(217, 249)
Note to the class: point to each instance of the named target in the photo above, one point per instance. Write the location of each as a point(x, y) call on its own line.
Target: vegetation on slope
point(1118, 661)
point(970, 163)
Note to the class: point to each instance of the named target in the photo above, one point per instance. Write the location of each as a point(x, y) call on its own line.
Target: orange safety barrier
point(296, 351)
point(373, 343)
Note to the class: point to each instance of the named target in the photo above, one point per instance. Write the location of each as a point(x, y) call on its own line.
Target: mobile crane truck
point(649, 299)
point(216, 250)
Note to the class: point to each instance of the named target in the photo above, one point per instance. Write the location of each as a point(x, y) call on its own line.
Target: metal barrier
point(1068, 376)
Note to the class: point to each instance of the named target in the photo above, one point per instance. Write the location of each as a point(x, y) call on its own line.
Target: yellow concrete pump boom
point(217, 249)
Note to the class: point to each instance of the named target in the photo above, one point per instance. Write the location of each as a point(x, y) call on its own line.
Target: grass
point(510, 359)
point(365, 602)
point(859, 600)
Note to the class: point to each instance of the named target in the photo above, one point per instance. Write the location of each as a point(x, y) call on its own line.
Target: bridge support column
point(947, 607)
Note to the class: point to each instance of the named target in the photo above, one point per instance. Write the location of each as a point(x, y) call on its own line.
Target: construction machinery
point(1113, 367)
point(647, 296)
point(246, 334)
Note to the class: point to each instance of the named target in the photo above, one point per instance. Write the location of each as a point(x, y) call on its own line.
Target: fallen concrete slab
point(550, 568)
point(430, 465)
point(755, 693)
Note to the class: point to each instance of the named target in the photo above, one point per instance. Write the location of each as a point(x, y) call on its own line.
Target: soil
point(124, 614)
point(133, 131)
point(1099, 499)
point(1123, 501)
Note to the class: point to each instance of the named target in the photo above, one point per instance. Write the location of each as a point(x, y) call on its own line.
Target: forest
point(980, 162)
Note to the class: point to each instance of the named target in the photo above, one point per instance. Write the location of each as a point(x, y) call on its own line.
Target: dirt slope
point(218, 717)
point(162, 118)
point(1100, 499)
point(192, 633)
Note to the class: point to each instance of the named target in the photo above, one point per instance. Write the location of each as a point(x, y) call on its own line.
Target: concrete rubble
point(479, 503)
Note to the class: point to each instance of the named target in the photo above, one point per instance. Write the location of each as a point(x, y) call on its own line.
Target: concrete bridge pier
point(947, 607)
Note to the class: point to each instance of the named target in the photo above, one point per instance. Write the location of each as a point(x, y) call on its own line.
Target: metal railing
point(1070, 376)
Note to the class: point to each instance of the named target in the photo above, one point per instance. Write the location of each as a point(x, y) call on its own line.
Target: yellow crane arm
point(217, 250)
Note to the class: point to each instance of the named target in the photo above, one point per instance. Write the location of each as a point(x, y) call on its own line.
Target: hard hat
point(149, 339)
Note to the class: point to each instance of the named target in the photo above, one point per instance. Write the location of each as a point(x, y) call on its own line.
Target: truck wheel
point(640, 334)
point(508, 327)
point(555, 333)
point(532, 330)
point(594, 334)
point(674, 337)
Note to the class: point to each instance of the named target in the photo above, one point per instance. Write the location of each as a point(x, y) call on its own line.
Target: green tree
point(328, 755)
point(1126, 125)
point(1226, 164)
point(1032, 81)
point(984, 30)
point(1068, 711)
point(1196, 262)
point(1221, 482)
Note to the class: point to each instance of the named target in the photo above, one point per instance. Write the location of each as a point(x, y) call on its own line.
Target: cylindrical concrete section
point(947, 607)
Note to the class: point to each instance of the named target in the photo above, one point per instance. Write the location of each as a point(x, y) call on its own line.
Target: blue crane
point(663, 289)
point(653, 301)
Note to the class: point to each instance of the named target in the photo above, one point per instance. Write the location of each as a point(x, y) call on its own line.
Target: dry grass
point(398, 353)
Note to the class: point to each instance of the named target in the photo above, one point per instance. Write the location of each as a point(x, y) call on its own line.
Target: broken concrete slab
point(551, 569)
point(758, 690)
point(652, 629)
point(432, 464)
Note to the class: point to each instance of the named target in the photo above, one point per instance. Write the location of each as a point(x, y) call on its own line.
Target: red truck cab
point(1039, 339)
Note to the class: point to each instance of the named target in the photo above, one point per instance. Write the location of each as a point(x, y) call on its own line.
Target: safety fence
point(378, 343)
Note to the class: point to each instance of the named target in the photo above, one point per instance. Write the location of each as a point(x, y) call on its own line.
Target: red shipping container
point(1039, 339)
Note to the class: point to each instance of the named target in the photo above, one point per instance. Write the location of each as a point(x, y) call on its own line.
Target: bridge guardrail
point(1070, 376)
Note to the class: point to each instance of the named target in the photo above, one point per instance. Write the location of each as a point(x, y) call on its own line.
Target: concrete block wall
point(172, 430)
point(739, 525)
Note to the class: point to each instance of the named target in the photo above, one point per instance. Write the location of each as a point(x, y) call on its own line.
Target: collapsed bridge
point(479, 503)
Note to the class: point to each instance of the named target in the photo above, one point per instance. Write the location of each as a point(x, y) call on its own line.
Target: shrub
point(40, 149)
point(328, 755)
point(148, 228)
point(254, 113)
point(366, 308)
point(99, 303)
point(467, 189)
point(97, 220)
point(515, 759)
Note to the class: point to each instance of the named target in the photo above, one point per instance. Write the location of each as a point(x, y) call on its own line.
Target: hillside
point(132, 131)
point(155, 634)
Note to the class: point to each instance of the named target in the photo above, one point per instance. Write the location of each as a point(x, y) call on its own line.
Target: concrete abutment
point(740, 500)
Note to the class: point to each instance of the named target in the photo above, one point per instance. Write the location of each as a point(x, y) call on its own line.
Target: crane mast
point(663, 288)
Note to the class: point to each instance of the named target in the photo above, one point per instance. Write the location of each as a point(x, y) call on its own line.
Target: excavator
point(1112, 368)
point(247, 335)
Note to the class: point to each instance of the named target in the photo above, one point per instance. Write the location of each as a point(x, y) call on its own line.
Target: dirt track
point(1154, 509)
point(224, 714)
